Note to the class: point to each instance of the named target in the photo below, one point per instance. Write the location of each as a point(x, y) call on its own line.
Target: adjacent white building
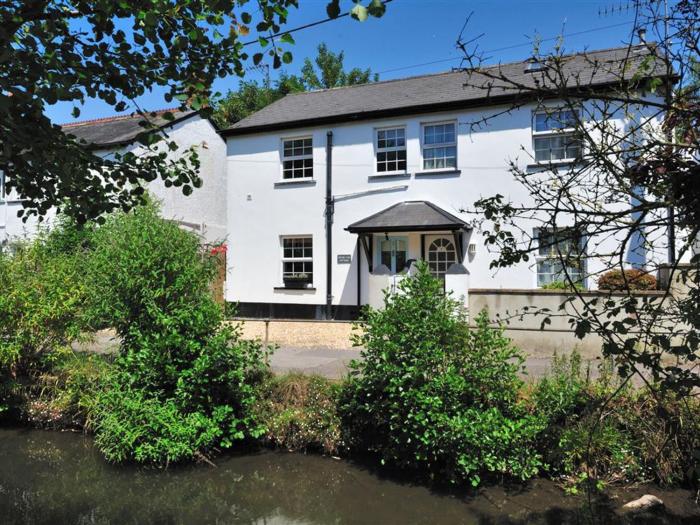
point(331, 194)
point(204, 211)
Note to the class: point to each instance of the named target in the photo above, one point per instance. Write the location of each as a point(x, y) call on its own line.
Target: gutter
point(330, 209)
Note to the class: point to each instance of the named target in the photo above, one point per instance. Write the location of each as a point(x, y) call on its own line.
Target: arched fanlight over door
point(441, 255)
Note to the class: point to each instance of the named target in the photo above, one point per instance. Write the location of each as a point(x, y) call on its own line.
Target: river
point(59, 478)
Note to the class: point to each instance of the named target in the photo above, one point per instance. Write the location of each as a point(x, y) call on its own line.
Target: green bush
point(435, 395)
point(563, 285)
point(63, 392)
point(41, 305)
point(300, 412)
point(603, 431)
point(195, 379)
point(135, 425)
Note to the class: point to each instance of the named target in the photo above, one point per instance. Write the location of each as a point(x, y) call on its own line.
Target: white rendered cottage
point(333, 193)
point(203, 212)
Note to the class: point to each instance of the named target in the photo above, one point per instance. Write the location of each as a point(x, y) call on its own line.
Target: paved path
point(324, 361)
point(327, 362)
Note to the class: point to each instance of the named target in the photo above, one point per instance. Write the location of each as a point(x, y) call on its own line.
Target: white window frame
point(284, 158)
point(541, 258)
point(424, 146)
point(303, 259)
point(378, 150)
point(553, 133)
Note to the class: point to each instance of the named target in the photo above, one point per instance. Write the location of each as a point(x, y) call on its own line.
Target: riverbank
point(59, 477)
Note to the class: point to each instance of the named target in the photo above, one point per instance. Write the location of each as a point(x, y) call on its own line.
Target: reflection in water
point(51, 477)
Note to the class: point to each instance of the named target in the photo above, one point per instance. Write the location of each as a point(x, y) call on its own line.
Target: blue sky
point(415, 32)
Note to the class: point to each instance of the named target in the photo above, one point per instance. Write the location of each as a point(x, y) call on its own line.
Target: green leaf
point(287, 38)
point(333, 8)
point(376, 8)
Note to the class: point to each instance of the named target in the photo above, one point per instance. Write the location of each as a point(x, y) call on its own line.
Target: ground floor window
point(297, 259)
point(393, 253)
point(560, 253)
point(441, 255)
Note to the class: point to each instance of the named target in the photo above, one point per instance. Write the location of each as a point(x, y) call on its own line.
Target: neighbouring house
point(333, 193)
point(203, 212)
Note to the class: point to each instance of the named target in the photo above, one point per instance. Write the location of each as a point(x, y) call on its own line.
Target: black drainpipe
point(329, 225)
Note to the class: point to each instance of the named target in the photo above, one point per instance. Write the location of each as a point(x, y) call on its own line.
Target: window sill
point(551, 164)
point(285, 289)
point(389, 175)
point(448, 172)
point(295, 182)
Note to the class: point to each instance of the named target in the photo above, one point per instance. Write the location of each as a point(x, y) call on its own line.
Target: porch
point(391, 241)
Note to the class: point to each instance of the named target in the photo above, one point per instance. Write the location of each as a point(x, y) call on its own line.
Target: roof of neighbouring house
point(123, 129)
point(408, 216)
point(445, 91)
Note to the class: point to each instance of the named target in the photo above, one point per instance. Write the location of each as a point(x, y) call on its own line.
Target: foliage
point(433, 394)
point(64, 391)
point(326, 71)
point(134, 425)
point(41, 305)
point(628, 279)
point(330, 72)
point(115, 52)
point(300, 413)
point(176, 357)
point(604, 431)
point(562, 285)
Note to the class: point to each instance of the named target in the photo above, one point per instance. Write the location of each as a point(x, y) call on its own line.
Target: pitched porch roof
point(409, 216)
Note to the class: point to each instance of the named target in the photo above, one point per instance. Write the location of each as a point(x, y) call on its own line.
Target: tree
point(331, 73)
point(71, 51)
point(253, 96)
point(630, 197)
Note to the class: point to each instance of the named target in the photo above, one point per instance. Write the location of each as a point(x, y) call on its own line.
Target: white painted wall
point(261, 211)
point(205, 208)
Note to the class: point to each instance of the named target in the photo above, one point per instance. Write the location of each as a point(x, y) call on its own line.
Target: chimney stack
point(642, 33)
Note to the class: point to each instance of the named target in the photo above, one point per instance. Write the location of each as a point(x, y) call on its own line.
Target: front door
point(393, 253)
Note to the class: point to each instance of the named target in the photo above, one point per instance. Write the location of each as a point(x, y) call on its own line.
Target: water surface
point(59, 478)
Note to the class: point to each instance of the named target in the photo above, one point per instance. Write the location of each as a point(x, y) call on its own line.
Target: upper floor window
point(297, 159)
point(560, 253)
point(554, 136)
point(391, 150)
point(439, 146)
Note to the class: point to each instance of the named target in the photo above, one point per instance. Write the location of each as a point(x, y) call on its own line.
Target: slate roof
point(120, 130)
point(441, 91)
point(409, 216)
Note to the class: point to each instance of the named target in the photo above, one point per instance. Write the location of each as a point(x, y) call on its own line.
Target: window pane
point(391, 149)
point(555, 120)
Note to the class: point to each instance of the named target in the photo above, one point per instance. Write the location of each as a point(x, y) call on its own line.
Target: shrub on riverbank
point(184, 382)
point(434, 395)
point(42, 301)
point(300, 413)
point(604, 431)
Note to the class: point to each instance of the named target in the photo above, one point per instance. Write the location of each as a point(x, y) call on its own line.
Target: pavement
point(325, 361)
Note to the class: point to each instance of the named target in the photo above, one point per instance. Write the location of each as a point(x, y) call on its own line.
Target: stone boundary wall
point(299, 333)
point(515, 309)
point(503, 304)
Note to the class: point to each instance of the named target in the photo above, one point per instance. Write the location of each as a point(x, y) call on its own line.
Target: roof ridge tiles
point(115, 118)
